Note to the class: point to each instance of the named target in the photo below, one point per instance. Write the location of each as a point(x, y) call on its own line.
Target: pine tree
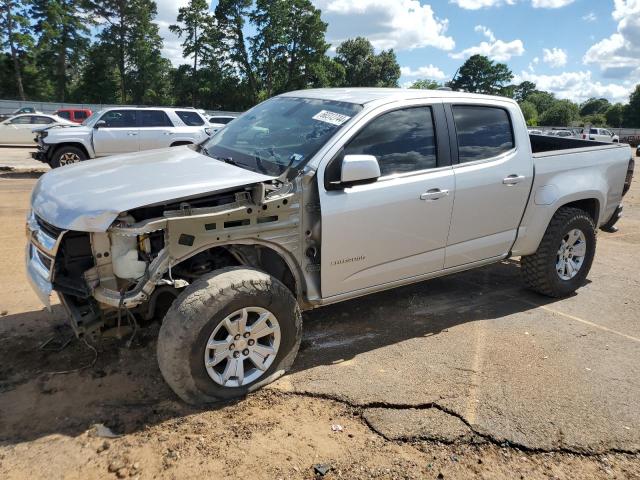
point(15, 35)
point(196, 24)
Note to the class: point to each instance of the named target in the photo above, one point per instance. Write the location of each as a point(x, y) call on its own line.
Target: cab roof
point(363, 96)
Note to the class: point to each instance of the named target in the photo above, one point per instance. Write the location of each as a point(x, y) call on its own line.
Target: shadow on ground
point(122, 387)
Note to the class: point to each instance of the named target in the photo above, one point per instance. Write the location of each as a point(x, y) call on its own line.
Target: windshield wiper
point(228, 160)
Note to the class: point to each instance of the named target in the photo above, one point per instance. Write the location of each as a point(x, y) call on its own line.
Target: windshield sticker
point(330, 117)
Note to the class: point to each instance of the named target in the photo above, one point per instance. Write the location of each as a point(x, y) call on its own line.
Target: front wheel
point(563, 259)
point(67, 156)
point(227, 334)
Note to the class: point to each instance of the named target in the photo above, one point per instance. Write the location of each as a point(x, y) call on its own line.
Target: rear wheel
point(67, 155)
point(563, 259)
point(227, 334)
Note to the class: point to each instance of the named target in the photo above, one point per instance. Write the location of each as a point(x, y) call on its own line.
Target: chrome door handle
point(132, 134)
point(513, 179)
point(434, 194)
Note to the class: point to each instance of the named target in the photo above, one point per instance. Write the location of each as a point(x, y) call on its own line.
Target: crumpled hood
point(88, 196)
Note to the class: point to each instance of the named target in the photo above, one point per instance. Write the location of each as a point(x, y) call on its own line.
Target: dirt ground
point(57, 395)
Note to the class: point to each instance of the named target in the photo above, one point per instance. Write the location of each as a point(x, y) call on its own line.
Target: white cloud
point(556, 57)
point(550, 3)
point(167, 13)
point(398, 24)
point(478, 4)
point(590, 17)
point(576, 86)
point(618, 55)
point(428, 71)
point(494, 49)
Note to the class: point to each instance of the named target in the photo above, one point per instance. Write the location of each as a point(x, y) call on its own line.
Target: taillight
point(584, 137)
point(629, 177)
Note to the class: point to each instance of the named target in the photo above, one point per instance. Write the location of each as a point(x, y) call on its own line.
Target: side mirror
point(100, 124)
point(359, 170)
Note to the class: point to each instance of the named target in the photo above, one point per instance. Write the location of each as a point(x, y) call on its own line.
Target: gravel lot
point(464, 376)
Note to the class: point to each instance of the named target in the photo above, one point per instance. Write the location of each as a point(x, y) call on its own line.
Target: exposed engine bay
point(134, 270)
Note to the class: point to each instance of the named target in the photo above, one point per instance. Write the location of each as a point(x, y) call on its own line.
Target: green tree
point(327, 73)
point(132, 37)
point(289, 44)
point(63, 38)
point(196, 24)
point(594, 106)
point(481, 75)
point(522, 91)
point(425, 84)
point(15, 36)
point(615, 115)
point(542, 100)
point(148, 73)
point(632, 110)
point(560, 114)
point(100, 79)
point(231, 17)
point(596, 119)
point(530, 113)
point(363, 68)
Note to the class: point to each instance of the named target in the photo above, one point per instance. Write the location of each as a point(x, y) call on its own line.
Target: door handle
point(132, 134)
point(434, 194)
point(513, 179)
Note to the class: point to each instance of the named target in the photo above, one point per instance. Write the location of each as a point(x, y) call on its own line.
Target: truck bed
point(546, 144)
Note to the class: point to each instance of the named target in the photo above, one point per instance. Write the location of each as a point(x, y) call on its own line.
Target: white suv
point(121, 130)
point(599, 135)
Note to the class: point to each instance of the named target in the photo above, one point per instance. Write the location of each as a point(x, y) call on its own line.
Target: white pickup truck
point(308, 199)
point(120, 130)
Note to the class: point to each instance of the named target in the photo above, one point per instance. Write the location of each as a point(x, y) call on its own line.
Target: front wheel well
point(256, 256)
point(181, 143)
point(69, 144)
point(591, 206)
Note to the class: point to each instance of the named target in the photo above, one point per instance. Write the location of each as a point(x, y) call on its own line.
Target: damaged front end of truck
point(135, 268)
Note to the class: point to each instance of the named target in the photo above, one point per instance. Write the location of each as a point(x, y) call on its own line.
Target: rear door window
point(66, 115)
point(483, 132)
point(24, 120)
point(154, 118)
point(80, 115)
point(120, 119)
point(190, 118)
point(40, 120)
point(402, 141)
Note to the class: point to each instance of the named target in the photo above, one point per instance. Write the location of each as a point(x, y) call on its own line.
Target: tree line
point(110, 51)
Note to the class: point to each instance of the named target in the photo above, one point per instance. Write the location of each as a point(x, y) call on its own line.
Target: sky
point(575, 48)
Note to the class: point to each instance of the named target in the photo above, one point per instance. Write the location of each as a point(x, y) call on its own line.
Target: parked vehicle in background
point(536, 132)
point(218, 122)
point(599, 135)
point(563, 133)
point(4, 116)
point(312, 198)
point(75, 115)
point(20, 129)
point(121, 130)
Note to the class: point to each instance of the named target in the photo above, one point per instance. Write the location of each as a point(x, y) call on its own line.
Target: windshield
point(279, 133)
point(90, 119)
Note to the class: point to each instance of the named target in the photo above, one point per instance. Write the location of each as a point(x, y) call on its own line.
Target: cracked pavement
point(509, 365)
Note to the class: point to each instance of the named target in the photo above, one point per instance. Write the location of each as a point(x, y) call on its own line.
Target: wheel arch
point(262, 255)
point(530, 236)
point(79, 145)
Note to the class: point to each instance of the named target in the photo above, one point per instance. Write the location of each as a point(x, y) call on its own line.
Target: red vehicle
point(77, 115)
